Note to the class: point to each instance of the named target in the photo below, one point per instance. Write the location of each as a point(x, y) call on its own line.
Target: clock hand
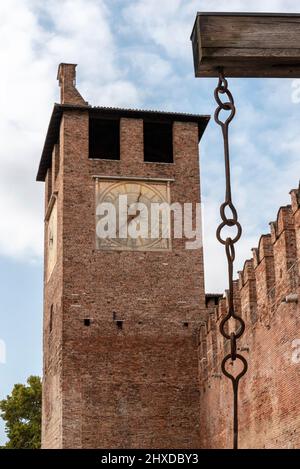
point(121, 227)
point(130, 217)
point(129, 220)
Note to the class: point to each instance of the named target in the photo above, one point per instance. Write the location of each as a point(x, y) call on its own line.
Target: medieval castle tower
point(121, 322)
point(131, 345)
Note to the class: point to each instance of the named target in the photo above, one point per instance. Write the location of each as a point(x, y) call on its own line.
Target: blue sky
point(131, 53)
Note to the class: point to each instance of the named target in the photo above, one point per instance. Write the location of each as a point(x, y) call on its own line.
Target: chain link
point(230, 221)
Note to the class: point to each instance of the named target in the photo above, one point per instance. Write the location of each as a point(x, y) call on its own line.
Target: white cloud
point(30, 53)
point(255, 5)
point(265, 149)
point(168, 23)
point(148, 68)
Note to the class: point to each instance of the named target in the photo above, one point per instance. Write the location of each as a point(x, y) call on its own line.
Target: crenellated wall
point(266, 294)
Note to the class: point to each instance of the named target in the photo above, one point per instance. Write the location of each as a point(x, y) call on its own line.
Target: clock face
point(52, 240)
point(136, 228)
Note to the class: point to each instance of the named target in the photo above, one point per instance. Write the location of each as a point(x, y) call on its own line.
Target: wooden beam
point(247, 45)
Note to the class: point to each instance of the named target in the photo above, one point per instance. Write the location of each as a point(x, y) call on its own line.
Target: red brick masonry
point(103, 386)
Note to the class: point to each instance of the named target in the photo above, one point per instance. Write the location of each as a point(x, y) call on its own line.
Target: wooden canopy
point(247, 44)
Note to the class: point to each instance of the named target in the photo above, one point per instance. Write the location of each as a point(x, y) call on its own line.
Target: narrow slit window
point(119, 324)
point(158, 142)
point(49, 184)
point(104, 139)
point(51, 319)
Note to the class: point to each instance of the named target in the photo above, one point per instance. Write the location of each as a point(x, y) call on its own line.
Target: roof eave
point(58, 109)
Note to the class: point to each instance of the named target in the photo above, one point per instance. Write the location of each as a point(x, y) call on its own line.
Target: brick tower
point(121, 320)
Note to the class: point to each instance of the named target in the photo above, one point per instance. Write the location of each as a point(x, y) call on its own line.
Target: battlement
point(268, 277)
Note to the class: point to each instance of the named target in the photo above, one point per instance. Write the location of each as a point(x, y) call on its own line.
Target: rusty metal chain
point(230, 221)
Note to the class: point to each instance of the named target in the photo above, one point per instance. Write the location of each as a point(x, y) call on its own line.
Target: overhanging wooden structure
point(247, 44)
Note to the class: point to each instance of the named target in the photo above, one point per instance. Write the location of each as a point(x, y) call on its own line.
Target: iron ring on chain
point(233, 346)
point(234, 379)
point(240, 330)
point(224, 217)
point(222, 89)
point(230, 250)
point(230, 222)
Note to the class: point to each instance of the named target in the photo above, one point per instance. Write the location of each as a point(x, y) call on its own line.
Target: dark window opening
point(119, 324)
point(87, 322)
point(158, 142)
point(51, 319)
point(104, 139)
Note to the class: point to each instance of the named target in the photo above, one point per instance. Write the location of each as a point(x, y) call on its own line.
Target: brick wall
point(270, 391)
point(136, 386)
point(53, 306)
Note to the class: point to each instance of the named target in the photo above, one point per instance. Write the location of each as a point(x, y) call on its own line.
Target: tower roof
point(108, 112)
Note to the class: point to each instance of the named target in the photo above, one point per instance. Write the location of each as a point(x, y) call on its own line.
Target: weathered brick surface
point(52, 342)
point(270, 392)
point(136, 386)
